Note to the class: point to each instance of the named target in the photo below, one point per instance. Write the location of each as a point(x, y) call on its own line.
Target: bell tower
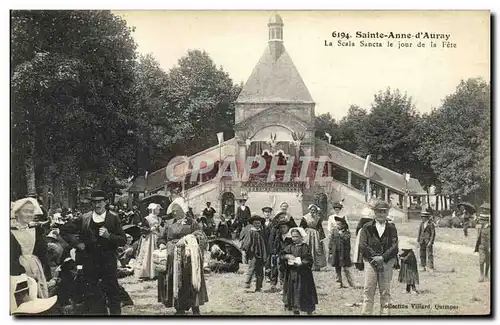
point(275, 26)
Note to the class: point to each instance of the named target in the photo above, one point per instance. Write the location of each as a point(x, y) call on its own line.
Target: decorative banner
point(220, 137)
point(329, 137)
point(367, 161)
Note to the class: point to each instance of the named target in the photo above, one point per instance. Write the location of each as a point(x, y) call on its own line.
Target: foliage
point(200, 100)
point(72, 83)
point(459, 145)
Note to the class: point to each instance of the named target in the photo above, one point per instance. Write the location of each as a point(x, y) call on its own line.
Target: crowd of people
point(78, 258)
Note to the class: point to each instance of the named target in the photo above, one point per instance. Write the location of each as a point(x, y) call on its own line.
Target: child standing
point(426, 236)
point(299, 290)
point(408, 273)
point(339, 250)
point(256, 252)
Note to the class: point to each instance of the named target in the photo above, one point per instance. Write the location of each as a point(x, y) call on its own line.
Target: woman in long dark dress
point(408, 274)
point(312, 224)
point(299, 290)
point(28, 246)
point(182, 285)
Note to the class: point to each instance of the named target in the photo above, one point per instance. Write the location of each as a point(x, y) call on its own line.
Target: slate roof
point(275, 81)
point(377, 173)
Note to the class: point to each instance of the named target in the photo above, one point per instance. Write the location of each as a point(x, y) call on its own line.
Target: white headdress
point(17, 205)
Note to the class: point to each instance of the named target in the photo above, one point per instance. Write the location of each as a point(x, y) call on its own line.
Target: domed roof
point(275, 19)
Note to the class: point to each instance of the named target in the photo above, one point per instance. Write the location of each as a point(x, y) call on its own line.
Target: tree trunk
point(29, 165)
point(428, 197)
point(57, 191)
point(445, 202)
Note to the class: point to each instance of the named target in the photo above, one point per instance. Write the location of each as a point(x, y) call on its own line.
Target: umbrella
point(132, 230)
point(467, 206)
point(160, 199)
point(222, 242)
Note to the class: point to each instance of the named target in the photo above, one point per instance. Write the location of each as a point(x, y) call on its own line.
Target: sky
point(336, 77)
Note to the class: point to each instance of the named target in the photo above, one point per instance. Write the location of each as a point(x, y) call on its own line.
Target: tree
point(199, 103)
point(388, 134)
point(459, 143)
point(72, 94)
point(151, 84)
point(351, 129)
point(325, 123)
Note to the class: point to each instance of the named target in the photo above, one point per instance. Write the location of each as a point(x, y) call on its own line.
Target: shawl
point(311, 221)
point(191, 249)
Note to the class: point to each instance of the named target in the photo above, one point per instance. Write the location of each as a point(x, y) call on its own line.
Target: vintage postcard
point(242, 163)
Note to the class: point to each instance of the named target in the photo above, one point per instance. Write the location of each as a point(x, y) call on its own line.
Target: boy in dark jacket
point(426, 236)
point(256, 252)
point(340, 251)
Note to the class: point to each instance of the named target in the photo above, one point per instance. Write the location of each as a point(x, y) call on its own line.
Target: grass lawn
point(453, 284)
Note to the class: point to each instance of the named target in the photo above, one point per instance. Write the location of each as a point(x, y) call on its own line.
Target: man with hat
point(243, 215)
point(209, 213)
point(379, 246)
point(98, 235)
point(254, 246)
point(426, 236)
point(483, 243)
point(267, 227)
point(337, 207)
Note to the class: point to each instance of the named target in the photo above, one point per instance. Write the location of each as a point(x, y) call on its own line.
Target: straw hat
point(23, 296)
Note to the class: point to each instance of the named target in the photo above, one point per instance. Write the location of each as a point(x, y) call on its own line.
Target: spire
point(275, 26)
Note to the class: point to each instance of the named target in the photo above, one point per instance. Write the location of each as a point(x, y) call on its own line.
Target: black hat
point(284, 222)
point(340, 219)
point(381, 205)
point(485, 206)
point(98, 195)
point(426, 214)
point(337, 205)
point(268, 209)
point(256, 217)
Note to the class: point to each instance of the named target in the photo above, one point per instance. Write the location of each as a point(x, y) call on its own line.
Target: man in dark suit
point(379, 246)
point(243, 215)
point(426, 236)
point(97, 235)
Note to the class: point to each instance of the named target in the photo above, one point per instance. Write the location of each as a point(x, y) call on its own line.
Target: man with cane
point(379, 246)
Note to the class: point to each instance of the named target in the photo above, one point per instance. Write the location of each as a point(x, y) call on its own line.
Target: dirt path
point(455, 248)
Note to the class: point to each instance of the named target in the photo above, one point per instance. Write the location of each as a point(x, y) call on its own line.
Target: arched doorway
point(227, 205)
